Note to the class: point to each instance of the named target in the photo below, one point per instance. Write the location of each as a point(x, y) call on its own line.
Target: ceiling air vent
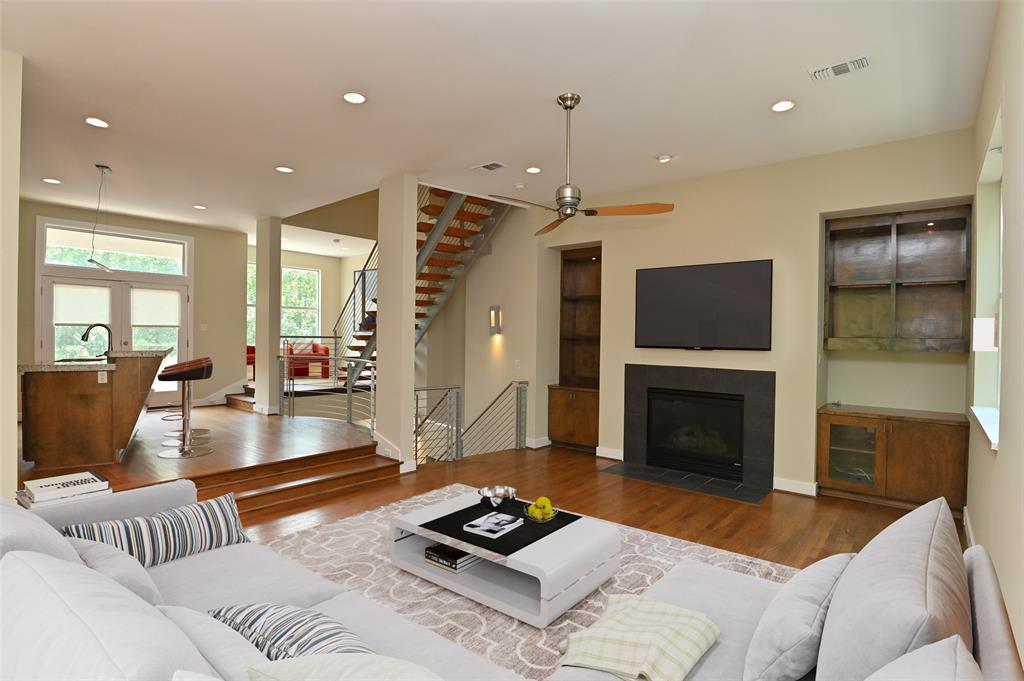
point(489, 167)
point(840, 69)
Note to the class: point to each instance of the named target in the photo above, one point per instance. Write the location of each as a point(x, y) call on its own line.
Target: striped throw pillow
point(284, 631)
point(169, 535)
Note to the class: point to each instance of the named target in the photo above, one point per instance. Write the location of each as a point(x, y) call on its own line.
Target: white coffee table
point(535, 584)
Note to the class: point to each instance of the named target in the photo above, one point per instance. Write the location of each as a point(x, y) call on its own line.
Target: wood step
point(444, 248)
point(318, 486)
point(362, 336)
point(434, 261)
point(326, 466)
point(249, 389)
point(421, 315)
point(368, 325)
point(472, 200)
point(241, 401)
point(457, 232)
point(420, 303)
point(433, 276)
point(433, 210)
point(271, 468)
point(429, 290)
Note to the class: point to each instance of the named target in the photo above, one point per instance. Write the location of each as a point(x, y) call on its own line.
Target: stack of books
point(62, 489)
point(449, 558)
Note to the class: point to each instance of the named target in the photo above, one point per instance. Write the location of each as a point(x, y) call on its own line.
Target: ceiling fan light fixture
point(783, 105)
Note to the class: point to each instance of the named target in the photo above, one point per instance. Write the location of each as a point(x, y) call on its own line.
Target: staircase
point(454, 231)
point(299, 479)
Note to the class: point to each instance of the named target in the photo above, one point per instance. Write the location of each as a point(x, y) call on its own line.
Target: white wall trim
point(538, 442)
point(968, 530)
point(266, 409)
point(386, 448)
point(220, 397)
point(407, 467)
point(809, 489)
point(610, 453)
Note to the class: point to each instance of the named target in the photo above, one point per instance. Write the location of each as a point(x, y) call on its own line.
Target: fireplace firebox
point(696, 432)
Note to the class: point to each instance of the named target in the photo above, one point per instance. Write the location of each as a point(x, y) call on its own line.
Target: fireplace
point(697, 432)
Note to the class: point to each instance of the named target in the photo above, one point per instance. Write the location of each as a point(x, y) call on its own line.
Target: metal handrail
point(493, 402)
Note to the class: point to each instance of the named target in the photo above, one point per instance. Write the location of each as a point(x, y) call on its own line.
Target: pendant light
point(104, 171)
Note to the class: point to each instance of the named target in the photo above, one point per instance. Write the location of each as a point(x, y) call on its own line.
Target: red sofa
point(303, 355)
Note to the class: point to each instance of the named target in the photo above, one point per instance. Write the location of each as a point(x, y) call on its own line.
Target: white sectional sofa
point(61, 619)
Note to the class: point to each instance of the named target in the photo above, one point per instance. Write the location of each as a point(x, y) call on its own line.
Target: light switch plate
point(101, 376)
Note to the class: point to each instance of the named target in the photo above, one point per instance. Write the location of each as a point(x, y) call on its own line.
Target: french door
point(140, 317)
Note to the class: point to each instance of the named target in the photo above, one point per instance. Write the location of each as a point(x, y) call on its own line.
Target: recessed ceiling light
point(51, 180)
point(931, 224)
point(520, 185)
point(663, 158)
point(783, 105)
point(533, 170)
point(198, 206)
point(284, 169)
point(97, 122)
point(354, 97)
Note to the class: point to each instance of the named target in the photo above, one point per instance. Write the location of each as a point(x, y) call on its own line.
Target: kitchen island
point(81, 414)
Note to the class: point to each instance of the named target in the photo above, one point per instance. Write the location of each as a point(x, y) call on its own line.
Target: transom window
point(300, 302)
point(72, 247)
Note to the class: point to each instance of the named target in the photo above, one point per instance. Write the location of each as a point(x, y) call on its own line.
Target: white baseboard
point(610, 453)
point(387, 449)
point(809, 489)
point(538, 442)
point(220, 397)
point(266, 409)
point(407, 467)
point(968, 530)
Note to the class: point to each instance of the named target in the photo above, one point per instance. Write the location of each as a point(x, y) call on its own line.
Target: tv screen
point(723, 306)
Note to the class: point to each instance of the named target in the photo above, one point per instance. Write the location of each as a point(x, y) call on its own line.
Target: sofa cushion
point(284, 631)
point(343, 667)
point(22, 530)
point(388, 633)
point(119, 566)
point(907, 588)
point(125, 504)
point(171, 534)
point(994, 646)
point(948, 660)
point(240, 573)
point(227, 651)
point(62, 620)
point(785, 643)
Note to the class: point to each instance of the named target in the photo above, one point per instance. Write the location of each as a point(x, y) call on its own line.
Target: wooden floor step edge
point(208, 479)
point(252, 500)
point(344, 466)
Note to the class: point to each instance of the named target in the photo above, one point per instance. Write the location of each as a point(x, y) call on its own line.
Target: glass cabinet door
point(853, 456)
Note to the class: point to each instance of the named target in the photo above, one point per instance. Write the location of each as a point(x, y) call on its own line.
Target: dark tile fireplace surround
point(711, 430)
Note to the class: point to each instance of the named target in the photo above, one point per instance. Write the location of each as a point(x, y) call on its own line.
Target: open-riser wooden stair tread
point(471, 200)
point(456, 232)
point(433, 210)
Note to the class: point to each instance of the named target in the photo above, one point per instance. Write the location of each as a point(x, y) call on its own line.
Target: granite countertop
point(140, 353)
point(66, 366)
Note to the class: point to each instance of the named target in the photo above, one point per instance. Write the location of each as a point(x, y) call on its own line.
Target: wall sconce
point(494, 319)
point(985, 337)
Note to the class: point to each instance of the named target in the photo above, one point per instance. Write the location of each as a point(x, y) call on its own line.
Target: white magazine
point(493, 525)
point(61, 486)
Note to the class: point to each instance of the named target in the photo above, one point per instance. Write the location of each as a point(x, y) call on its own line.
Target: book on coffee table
point(493, 525)
point(449, 557)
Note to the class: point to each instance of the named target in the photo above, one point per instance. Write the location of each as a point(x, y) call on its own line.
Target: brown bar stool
point(186, 372)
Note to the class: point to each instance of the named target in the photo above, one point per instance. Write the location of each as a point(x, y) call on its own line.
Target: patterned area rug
point(354, 553)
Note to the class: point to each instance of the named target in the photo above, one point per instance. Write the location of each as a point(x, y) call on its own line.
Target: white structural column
point(268, 314)
point(396, 320)
point(10, 180)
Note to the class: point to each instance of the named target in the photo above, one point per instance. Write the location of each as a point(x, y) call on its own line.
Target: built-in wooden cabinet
point(899, 281)
point(573, 415)
point(573, 403)
point(898, 457)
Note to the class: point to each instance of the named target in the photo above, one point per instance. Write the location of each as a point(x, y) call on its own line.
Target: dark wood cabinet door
point(852, 453)
point(560, 418)
point(573, 416)
point(585, 413)
point(927, 460)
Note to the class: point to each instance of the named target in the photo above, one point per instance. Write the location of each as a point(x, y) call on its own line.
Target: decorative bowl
point(497, 494)
point(526, 514)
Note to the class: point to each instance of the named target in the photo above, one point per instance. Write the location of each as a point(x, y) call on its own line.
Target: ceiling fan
point(568, 196)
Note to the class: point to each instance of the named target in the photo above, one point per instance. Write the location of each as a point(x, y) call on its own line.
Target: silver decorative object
point(496, 494)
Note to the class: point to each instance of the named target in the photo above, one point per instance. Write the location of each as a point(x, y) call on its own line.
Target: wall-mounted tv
point(722, 306)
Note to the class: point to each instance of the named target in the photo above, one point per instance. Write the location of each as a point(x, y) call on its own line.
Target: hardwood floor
point(785, 528)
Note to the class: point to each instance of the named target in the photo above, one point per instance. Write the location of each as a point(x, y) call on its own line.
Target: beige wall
point(935, 381)
point(766, 212)
point(334, 284)
point(10, 180)
point(354, 216)
point(995, 501)
point(218, 297)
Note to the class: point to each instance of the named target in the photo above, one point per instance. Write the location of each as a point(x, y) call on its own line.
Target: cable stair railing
point(439, 434)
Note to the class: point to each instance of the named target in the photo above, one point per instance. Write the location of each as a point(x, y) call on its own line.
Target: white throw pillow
point(342, 667)
point(119, 566)
point(23, 530)
point(785, 644)
point(227, 651)
point(948, 659)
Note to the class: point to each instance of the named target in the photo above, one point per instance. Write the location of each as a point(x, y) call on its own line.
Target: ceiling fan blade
point(631, 209)
point(520, 202)
point(554, 225)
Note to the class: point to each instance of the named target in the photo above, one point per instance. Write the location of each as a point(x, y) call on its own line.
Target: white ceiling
point(204, 99)
point(315, 242)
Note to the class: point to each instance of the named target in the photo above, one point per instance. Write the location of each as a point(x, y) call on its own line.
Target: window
point(72, 247)
point(300, 302)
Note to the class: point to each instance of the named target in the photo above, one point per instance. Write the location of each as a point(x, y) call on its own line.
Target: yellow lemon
point(544, 504)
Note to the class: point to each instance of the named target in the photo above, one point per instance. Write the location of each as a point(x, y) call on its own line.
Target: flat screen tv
point(722, 306)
